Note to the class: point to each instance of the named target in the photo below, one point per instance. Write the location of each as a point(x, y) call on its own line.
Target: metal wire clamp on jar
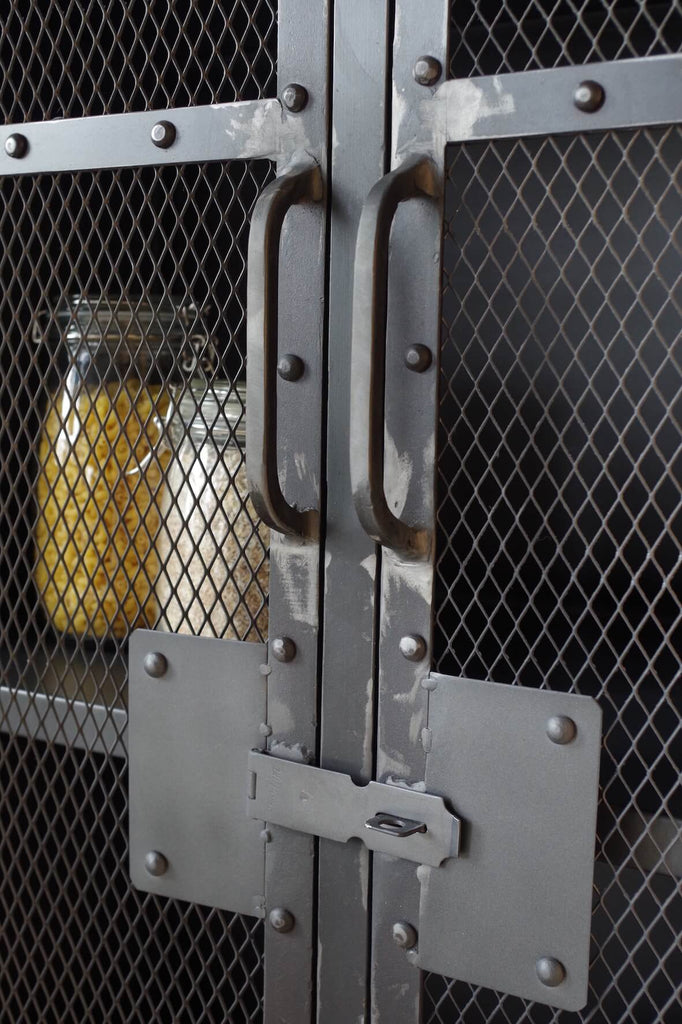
point(100, 467)
point(212, 546)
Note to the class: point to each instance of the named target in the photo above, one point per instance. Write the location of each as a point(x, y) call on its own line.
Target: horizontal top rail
point(254, 129)
point(634, 94)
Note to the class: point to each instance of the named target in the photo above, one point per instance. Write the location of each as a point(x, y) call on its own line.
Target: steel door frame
point(425, 120)
point(259, 129)
point(353, 675)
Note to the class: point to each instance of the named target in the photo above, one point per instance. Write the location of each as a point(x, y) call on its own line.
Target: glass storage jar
point(101, 465)
point(212, 547)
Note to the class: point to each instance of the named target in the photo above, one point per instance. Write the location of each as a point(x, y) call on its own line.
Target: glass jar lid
point(214, 412)
point(155, 319)
point(150, 338)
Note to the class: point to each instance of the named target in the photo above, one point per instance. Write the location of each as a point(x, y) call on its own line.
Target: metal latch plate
point(398, 820)
point(189, 736)
point(521, 890)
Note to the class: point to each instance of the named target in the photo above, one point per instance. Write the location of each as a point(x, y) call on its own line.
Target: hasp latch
point(398, 820)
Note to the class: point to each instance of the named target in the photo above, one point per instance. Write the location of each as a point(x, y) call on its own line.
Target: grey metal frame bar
point(254, 129)
point(303, 58)
point(74, 723)
point(358, 159)
point(542, 102)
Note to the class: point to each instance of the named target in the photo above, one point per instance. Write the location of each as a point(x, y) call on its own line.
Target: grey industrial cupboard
point(440, 242)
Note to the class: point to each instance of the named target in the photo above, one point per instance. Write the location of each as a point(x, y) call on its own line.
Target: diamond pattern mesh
point(488, 37)
point(77, 942)
point(559, 522)
point(82, 57)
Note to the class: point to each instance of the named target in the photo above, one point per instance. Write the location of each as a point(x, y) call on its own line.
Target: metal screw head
point(427, 70)
point(155, 863)
point(561, 729)
point(551, 972)
point(283, 648)
point(290, 367)
point(404, 935)
point(418, 358)
point(281, 920)
point(294, 97)
point(412, 647)
point(155, 664)
point(16, 145)
point(589, 96)
point(163, 134)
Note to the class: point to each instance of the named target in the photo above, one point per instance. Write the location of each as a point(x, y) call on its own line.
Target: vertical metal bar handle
point(302, 182)
point(416, 177)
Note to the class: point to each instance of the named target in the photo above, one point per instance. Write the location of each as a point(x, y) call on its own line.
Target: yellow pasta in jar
point(98, 492)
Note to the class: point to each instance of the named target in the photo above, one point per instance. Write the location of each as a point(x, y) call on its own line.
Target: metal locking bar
point(404, 822)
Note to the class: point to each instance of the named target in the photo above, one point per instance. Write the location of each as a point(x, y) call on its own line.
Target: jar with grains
point(101, 465)
point(212, 546)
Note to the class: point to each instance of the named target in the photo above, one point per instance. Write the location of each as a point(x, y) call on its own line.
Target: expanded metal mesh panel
point(489, 37)
point(77, 943)
point(84, 501)
point(559, 505)
point(85, 509)
point(81, 57)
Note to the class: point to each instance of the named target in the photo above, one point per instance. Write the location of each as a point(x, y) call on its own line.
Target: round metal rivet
point(589, 96)
point(265, 729)
point(163, 134)
point(281, 920)
point(418, 358)
point(266, 835)
point(427, 70)
point(16, 145)
point(283, 648)
point(290, 367)
point(155, 863)
point(561, 729)
point(413, 647)
point(155, 664)
point(404, 935)
point(294, 97)
point(551, 972)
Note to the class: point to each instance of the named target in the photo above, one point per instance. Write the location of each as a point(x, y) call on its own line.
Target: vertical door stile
point(294, 563)
point(358, 160)
point(413, 318)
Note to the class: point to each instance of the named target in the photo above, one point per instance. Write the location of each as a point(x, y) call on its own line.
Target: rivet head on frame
point(281, 920)
point(294, 97)
point(412, 647)
point(550, 972)
point(561, 729)
point(427, 70)
point(589, 96)
point(404, 935)
point(290, 367)
point(283, 648)
point(155, 863)
point(155, 664)
point(163, 134)
point(16, 145)
point(418, 358)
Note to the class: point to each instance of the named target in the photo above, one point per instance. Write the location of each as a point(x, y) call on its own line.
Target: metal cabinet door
point(95, 200)
point(537, 449)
